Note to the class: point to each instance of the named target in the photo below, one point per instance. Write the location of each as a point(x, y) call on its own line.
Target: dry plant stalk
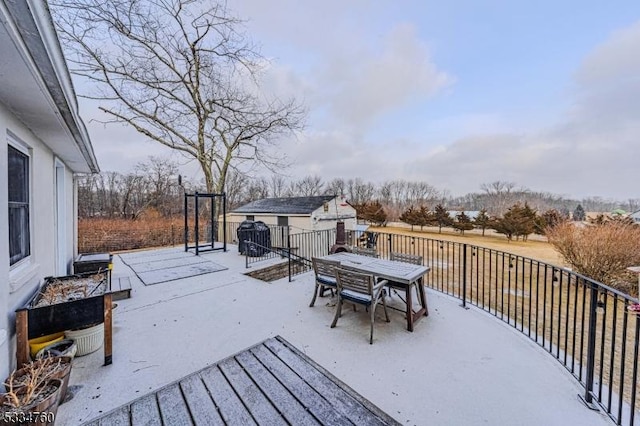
point(27, 388)
point(58, 291)
point(600, 252)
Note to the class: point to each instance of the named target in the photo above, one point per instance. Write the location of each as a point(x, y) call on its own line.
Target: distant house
point(44, 145)
point(635, 216)
point(298, 213)
point(471, 214)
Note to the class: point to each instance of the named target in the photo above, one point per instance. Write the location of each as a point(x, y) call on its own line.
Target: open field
point(536, 247)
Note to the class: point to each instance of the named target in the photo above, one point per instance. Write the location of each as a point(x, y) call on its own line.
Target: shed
point(298, 213)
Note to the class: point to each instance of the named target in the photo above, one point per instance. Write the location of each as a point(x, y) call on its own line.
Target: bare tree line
point(154, 185)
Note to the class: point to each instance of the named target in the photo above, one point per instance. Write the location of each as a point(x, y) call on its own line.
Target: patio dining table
point(405, 275)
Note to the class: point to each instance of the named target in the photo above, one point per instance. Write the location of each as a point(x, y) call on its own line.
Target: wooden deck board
point(320, 408)
point(231, 408)
point(201, 407)
point(173, 408)
point(272, 383)
point(293, 411)
point(334, 394)
point(121, 288)
point(119, 417)
point(257, 403)
point(145, 411)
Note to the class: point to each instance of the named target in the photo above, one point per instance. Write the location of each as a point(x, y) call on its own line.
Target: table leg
point(409, 308)
point(423, 296)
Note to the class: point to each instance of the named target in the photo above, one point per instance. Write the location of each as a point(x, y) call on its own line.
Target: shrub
point(600, 252)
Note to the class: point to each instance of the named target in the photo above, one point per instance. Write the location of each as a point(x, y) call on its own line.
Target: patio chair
point(371, 252)
point(406, 258)
point(325, 271)
point(362, 289)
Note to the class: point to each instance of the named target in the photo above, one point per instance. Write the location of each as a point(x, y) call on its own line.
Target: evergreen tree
point(441, 216)
point(372, 212)
point(482, 221)
point(527, 224)
point(517, 221)
point(462, 223)
point(410, 217)
point(424, 217)
point(578, 214)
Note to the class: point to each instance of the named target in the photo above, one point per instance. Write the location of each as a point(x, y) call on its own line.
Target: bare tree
point(257, 189)
point(309, 186)
point(360, 192)
point(160, 174)
point(335, 187)
point(499, 196)
point(180, 72)
point(277, 185)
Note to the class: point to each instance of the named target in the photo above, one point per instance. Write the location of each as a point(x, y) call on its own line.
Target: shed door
point(283, 220)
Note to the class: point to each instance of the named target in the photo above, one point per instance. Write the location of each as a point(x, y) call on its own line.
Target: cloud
point(364, 77)
point(592, 149)
point(397, 72)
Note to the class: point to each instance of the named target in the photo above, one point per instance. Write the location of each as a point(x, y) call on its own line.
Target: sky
point(544, 94)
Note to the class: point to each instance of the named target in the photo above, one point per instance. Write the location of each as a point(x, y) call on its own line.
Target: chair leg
point(424, 297)
point(373, 314)
point(315, 294)
point(384, 306)
point(338, 312)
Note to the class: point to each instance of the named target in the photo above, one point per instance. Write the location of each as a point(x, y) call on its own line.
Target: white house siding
point(316, 221)
point(335, 209)
point(38, 110)
point(25, 276)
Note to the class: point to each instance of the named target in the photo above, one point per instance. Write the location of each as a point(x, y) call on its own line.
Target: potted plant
point(47, 367)
point(32, 395)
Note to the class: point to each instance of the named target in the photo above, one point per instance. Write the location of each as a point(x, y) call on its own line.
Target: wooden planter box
point(33, 321)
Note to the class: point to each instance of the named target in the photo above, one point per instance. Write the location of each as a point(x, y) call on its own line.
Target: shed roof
point(286, 205)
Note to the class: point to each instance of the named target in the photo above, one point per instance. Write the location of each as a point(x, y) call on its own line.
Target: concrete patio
point(459, 367)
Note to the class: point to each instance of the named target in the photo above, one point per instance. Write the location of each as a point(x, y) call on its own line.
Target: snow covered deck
point(458, 366)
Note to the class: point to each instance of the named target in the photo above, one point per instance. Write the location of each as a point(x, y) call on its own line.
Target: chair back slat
point(371, 252)
point(354, 281)
point(325, 266)
point(407, 258)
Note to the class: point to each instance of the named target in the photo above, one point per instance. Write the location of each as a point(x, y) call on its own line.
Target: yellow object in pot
point(40, 342)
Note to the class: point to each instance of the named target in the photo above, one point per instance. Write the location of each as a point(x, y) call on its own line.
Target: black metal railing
point(585, 325)
point(582, 323)
point(298, 248)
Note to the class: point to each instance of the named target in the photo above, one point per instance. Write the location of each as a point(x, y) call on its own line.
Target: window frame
point(21, 148)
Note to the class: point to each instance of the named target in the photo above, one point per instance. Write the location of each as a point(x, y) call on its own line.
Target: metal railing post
point(591, 347)
point(289, 252)
point(246, 254)
point(186, 223)
point(197, 224)
point(464, 276)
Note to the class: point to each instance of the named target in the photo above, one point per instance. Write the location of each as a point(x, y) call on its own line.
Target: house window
point(19, 236)
point(283, 220)
point(251, 217)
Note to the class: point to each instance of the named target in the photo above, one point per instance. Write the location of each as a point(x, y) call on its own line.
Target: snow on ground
point(459, 367)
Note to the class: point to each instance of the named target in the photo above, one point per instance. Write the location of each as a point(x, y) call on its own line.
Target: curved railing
point(582, 323)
